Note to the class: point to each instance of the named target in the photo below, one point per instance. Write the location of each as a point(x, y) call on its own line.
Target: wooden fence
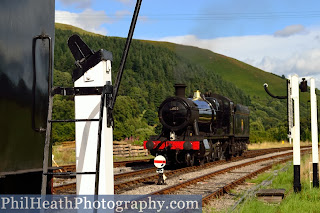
point(122, 149)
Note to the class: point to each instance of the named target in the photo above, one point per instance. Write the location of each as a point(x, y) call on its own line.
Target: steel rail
point(171, 173)
point(221, 191)
point(72, 167)
point(171, 189)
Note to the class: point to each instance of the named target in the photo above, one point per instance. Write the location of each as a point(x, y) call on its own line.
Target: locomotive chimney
point(180, 90)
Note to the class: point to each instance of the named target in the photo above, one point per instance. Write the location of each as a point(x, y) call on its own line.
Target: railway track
point(213, 189)
point(70, 187)
point(131, 163)
point(124, 186)
point(149, 179)
point(137, 178)
point(72, 167)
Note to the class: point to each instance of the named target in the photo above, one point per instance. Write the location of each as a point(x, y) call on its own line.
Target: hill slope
point(153, 68)
point(250, 79)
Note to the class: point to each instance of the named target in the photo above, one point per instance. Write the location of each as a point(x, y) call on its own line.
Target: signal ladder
point(81, 53)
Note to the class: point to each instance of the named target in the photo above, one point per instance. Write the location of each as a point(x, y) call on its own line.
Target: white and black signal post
point(293, 122)
point(314, 132)
point(94, 147)
point(88, 106)
point(295, 130)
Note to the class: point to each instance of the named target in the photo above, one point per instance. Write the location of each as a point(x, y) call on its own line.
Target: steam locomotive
point(200, 129)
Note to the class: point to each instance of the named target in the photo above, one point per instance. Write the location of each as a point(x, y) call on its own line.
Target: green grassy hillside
point(250, 79)
point(153, 68)
point(74, 29)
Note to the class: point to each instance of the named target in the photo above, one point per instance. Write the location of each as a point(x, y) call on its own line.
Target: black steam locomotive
point(203, 128)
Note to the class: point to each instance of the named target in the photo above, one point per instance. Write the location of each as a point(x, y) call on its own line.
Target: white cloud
point(77, 3)
point(126, 1)
point(122, 13)
point(290, 30)
point(89, 20)
point(144, 19)
point(295, 54)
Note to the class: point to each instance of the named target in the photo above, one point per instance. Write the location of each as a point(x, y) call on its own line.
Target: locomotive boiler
point(199, 129)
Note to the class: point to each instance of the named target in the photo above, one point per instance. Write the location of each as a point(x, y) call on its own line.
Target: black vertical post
point(296, 178)
point(315, 175)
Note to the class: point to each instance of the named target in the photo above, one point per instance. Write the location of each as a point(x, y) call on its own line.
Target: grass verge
point(64, 155)
point(117, 159)
point(308, 200)
point(268, 145)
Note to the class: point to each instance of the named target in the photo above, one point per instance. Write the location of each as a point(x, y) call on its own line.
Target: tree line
point(151, 71)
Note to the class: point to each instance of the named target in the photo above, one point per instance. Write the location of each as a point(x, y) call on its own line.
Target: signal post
point(294, 125)
point(88, 106)
point(314, 133)
point(295, 131)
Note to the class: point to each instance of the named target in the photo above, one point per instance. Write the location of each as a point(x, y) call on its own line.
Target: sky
point(278, 36)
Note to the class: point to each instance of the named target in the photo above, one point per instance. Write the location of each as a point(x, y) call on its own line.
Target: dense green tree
point(62, 79)
point(150, 73)
point(63, 109)
point(151, 117)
